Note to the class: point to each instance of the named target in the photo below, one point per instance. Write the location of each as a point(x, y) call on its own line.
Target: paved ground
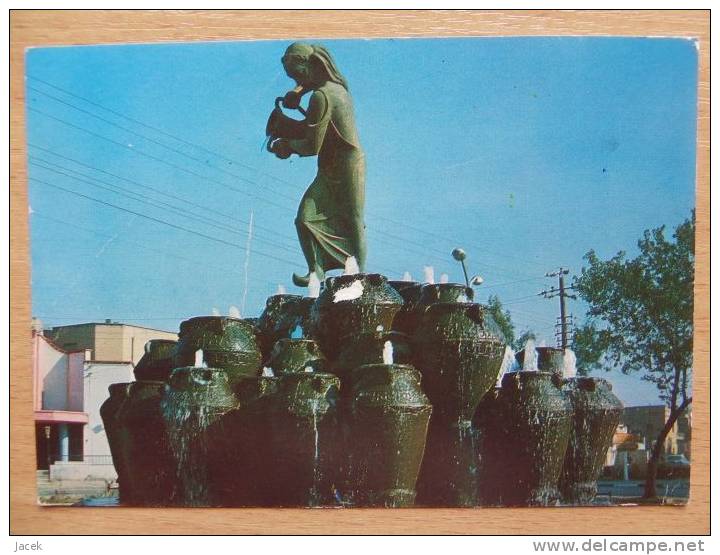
point(69, 492)
point(621, 491)
point(100, 493)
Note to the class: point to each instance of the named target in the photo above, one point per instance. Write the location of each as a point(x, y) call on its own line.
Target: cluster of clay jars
point(167, 429)
point(374, 394)
point(542, 439)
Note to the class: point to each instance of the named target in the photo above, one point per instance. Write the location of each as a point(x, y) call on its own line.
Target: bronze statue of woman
point(329, 221)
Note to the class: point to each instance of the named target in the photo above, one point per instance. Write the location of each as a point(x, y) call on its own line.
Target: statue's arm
point(316, 122)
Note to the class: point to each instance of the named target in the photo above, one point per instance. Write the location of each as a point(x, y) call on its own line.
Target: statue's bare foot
point(304, 281)
point(301, 281)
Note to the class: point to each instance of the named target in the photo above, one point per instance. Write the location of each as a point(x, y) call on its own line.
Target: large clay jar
point(406, 318)
point(227, 343)
point(596, 414)
point(282, 315)
point(158, 360)
point(118, 437)
point(352, 304)
point(290, 356)
point(549, 359)
point(147, 461)
point(193, 406)
point(305, 440)
point(432, 293)
point(243, 455)
point(490, 450)
point(459, 355)
point(524, 428)
point(449, 472)
point(389, 415)
point(371, 348)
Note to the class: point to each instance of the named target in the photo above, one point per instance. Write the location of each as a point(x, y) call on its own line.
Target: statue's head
point(310, 65)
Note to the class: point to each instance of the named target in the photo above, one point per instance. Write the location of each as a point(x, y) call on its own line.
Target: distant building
point(636, 435)
point(108, 341)
point(648, 422)
point(72, 368)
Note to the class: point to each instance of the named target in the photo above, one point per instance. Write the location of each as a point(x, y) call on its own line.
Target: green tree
point(641, 319)
point(502, 318)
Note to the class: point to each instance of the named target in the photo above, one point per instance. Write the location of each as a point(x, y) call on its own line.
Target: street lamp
point(459, 255)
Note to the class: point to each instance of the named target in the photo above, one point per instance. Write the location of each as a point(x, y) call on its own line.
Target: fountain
point(389, 419)
point(362, 392)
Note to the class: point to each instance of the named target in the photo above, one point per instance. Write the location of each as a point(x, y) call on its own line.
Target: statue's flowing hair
point(323, 56)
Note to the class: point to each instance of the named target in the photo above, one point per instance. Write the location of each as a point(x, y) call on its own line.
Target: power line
point(158, 130)
point(158, 191)
point(157, 159)
point(163, 145)
point(204, 149)
point(151, 156)
point(157, 220)
point(147, 200)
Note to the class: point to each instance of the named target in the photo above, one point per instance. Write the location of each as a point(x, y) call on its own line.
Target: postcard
point(452, 272)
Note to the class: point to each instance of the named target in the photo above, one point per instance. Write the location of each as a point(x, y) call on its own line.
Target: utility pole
point(560, 292)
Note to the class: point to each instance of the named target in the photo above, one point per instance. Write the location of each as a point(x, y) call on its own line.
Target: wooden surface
point(40, 28)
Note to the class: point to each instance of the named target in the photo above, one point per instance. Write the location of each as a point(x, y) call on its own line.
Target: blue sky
point(526, 152)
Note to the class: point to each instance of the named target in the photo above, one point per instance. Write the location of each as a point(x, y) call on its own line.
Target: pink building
point(58, 402)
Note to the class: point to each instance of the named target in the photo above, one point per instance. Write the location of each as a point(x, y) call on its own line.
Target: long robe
point(330, 219)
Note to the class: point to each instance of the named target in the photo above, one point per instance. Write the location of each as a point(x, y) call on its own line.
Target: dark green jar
point(459, 354)
point(369, 348)
point(549, 359)
point(525, 429)
point(389, 415)
point(158, 360)
point(406, 318)
point(449, 472)
point(305, 440)
point(143, 449)
point(242, 461)
point(353, 304)
point(432, 293)
point(227, 343)
point(596, 414)
point(292, 356)
point(118, 437)
point(193, 405)
point(280, 317)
